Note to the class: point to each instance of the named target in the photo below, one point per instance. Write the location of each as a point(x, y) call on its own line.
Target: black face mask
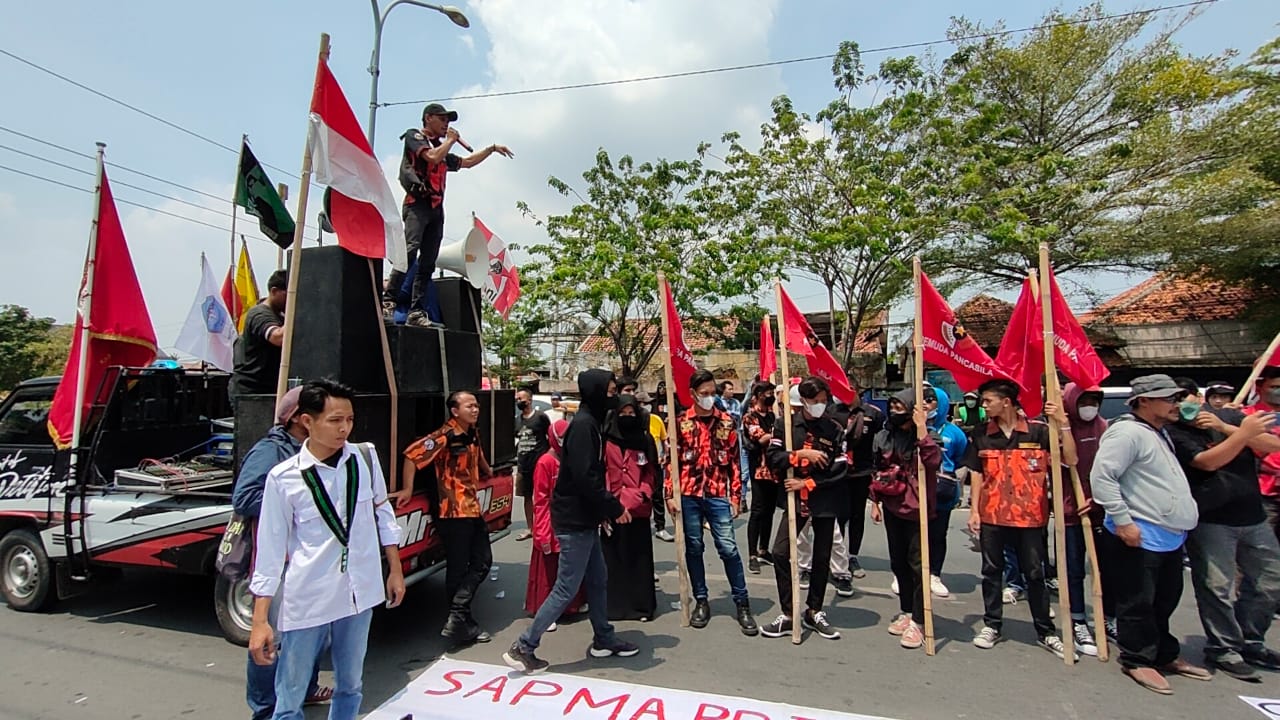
point(899, 419)
point(523, 404)
point(628, 424)
point(611, 403)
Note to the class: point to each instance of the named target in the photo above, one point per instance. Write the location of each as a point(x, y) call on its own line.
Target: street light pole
point(379, 20)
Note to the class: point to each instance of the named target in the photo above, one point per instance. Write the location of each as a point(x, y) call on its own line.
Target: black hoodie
point(581, 500)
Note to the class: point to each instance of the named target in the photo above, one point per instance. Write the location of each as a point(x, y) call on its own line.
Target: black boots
point(701, 614)
point(746, 621)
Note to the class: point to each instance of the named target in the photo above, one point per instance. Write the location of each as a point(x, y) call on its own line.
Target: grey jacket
point(1137, 475)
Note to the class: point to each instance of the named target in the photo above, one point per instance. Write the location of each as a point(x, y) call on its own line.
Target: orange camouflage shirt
point(1014, 468)
point(709, 458)
point(455, 456)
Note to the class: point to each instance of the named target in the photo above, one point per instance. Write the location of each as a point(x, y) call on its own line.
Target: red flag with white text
point(947, 344)
point(1073, 353)
point(682, 364)
point(802, 339)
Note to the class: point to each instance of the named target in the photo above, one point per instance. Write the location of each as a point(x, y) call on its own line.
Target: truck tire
point(234, 607)
point(26, 575)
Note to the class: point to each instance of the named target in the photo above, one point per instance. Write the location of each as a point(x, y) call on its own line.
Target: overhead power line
point(793, 61)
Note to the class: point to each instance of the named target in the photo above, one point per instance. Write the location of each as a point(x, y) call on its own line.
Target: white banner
point(456, 690)
point(1268, 707)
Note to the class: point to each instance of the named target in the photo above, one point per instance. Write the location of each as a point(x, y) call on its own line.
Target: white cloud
point(469, 42)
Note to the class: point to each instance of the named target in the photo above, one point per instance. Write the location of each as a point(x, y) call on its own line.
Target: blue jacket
point(273, 449)
point(952, 439)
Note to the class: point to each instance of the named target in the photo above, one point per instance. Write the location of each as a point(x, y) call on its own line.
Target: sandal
point(524, 536)
point(322, 695)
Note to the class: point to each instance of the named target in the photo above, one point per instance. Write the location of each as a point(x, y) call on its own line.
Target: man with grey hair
point(1138, 480)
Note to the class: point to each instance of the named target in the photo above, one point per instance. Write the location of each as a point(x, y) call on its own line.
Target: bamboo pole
point(792, 538)
point(393, 388)
point(1243, 393)
point(282, 190)
point(235, 211)
point(921, 480)
point(295, 253)
point(1053, 392)
point(673, 455)
point(86, 318)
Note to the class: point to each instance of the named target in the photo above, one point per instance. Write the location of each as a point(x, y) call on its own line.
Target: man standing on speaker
point(423, 167)
point(257, 350)
point(454, 453)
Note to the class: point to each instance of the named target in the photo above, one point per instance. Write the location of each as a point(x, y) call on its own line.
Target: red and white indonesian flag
point(361, 207)
point(503, 285)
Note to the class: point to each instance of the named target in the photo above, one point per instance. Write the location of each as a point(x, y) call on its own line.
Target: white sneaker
point(1053, 614)
point(665, 535)
point(987, 638)
point(894, 586)
point(1010, 596)
point(1053, 644)
point(552, 627)
point(937, 588)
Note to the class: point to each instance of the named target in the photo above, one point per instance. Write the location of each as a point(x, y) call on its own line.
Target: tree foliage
point(630, 221)
point(29, 346)
point(512, 342)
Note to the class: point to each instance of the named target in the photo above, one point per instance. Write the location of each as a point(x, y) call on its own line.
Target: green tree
point(852, 193)
point(631, 220)
point(511, 342)
point(1071, 136)
point(21, 338)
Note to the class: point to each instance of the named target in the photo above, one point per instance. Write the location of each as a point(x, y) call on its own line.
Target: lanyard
point(328, 512)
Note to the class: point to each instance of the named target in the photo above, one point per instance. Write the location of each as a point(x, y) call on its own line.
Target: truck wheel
point(233, 604)
point(26, 575)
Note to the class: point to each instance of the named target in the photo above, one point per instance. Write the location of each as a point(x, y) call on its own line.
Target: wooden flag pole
point(792, 505)
point(85, 310)
point(1243, 393)
point(1086, 523)
point(921, 481)
point(1053, 392)
point(283, 190)
point(393, 388)
point(295, 253)
point(673, 455)
point(234, 207)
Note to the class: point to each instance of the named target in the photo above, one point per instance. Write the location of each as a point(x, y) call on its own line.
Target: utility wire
point(793, 61)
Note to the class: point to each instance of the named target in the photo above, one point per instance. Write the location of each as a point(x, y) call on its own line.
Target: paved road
point(149, 648)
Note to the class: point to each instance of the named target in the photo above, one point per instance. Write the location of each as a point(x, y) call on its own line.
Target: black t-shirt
point(257, 361)
point(1230, 494)
point(420, 179)
point(531, 440)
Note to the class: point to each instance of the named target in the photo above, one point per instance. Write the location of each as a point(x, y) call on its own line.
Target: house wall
point(1212, 344)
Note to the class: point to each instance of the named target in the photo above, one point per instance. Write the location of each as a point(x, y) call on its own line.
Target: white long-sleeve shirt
point(316, 591)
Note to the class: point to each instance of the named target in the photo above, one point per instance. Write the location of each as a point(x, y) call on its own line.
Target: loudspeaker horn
point(469, 258)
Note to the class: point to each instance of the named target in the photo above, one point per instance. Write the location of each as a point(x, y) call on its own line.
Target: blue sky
point(246, 66)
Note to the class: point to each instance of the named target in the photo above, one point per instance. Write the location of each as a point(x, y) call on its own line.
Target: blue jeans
point(260, 687)
point(581, 561)
point(718, 514)
point(298, 652)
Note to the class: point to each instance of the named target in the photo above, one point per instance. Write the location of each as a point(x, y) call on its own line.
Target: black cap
point(438, 109)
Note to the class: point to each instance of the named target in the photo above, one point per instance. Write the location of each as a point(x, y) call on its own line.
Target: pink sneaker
point(899, 624)
point(913, 637)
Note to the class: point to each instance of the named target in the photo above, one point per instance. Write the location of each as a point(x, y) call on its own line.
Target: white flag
point(209, 332)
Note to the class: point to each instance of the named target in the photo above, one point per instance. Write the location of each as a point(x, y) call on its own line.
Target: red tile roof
point(986, 318)
point(1169, 298)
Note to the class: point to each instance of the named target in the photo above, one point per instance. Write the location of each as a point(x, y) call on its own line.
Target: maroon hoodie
point(1086, 435)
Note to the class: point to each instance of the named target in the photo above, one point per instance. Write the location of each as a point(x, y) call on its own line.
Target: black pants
point(659, 505)
point(1271, 505)
point(823, 533)
point(1105, 550)
point(423, 231)
point(468, 557)
point(1029, 546)
point(854, 528)
point(764, 500)
point(938, 541)
point(904, 560)
point(1148, 589)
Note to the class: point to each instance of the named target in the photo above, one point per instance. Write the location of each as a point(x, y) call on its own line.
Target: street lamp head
point(456, 16)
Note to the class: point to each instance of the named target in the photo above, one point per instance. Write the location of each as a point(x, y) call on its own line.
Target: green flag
point(256, 194)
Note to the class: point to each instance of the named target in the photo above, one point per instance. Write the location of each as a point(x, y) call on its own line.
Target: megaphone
point(468, 257)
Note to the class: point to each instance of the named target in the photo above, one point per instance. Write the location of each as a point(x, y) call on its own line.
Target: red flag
point(120, 331)
point(682, 364)
point(947, 345)
point(802, 339)
point(1022, 349)
point(231, 298)
point(360, 205)
point(1073, 353)
point(768, 351)
point(503, 286)
point(1275, 358)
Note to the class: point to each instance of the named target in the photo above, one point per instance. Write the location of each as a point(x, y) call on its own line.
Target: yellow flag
point(246, 285)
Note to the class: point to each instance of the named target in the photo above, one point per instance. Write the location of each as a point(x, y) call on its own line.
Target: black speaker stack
point(336, 336)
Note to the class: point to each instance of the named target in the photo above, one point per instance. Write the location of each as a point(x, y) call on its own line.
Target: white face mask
point(815, 409)
point(706, 402)
point(1088, 413)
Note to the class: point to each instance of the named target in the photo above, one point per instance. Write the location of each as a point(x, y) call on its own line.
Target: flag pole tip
point(101, 145)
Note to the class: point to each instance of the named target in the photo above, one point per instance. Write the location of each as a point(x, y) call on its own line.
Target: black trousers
point(659, 505)
point(823, 533)
point(854, 528)
point(764, 500)
point(1147, 590)
point(1029, 545)
point(938, 541)
point(468, 557)
point(423, 231)
point(904, 560)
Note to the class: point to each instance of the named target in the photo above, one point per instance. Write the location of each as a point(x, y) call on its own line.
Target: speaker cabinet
point(459, 304)
point(420, 367)
point(335, 332)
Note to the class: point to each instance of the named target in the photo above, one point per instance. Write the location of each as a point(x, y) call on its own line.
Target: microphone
point(463, 143)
